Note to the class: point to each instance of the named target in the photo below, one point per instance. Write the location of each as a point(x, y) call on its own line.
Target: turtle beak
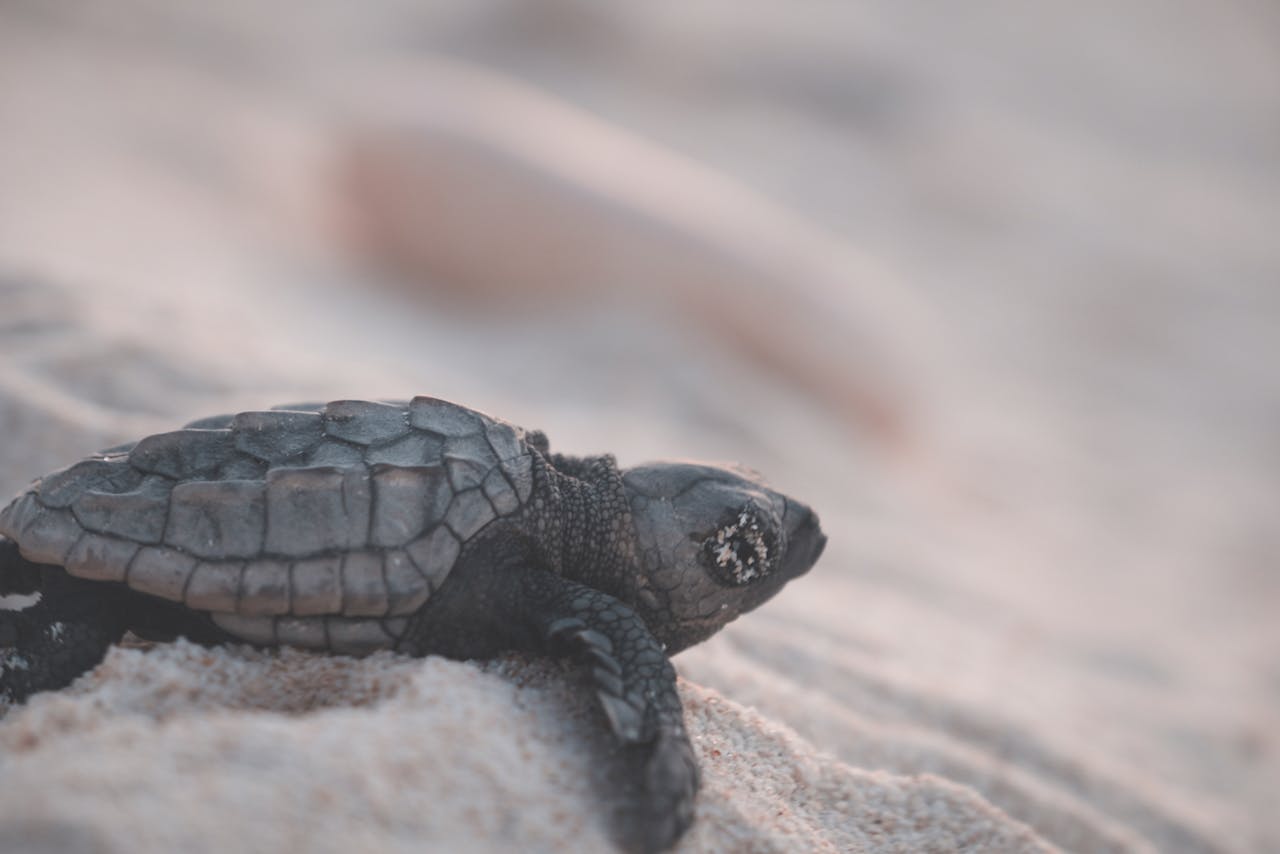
point(805, 539)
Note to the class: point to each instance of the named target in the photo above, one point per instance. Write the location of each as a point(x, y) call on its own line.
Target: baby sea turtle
point(423, 527)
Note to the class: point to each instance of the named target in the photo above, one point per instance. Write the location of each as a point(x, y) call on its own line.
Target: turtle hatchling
point(420, 526)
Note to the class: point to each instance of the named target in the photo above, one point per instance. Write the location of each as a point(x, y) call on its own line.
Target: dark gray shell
point(317, 525)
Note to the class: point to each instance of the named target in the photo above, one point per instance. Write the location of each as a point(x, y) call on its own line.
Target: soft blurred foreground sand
point(1046, 617)
point(237, 750)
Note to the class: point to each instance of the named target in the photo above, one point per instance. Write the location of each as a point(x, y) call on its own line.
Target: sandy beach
point(993, 290)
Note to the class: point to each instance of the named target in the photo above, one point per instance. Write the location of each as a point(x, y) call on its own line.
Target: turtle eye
point(742, 549)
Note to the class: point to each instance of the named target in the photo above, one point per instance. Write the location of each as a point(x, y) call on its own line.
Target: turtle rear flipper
point(636, 685)
point(48, 645)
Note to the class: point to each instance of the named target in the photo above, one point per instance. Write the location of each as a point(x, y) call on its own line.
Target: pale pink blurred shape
point(497, 195)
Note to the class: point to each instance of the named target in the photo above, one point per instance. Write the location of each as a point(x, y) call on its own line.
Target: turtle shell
point(317, 525)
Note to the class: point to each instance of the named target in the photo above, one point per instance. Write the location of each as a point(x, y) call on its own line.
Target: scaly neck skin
point(597, 539)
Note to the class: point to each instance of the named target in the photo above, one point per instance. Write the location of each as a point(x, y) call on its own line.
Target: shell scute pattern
point(519, 472)
point(465, 472)
point(469, 512)
point(434, 554)
point(217, 518)
point(305, 632)
point(160, 571)
point(264, 588)
point(320, 524)
point(316, 584)
point(411, 588)
point(415, 449)
point(363, 422)
point(343, 635)
point(443, 417)
point(500, 492)
point(182, 454)
point(106, 474)
point(138, 515)
point(473, 447)
point(44, 535)
point(364, 587)
point(333, 452)
point(408, 501)
point(316, 509)
point(243, 467)
point(214, 586)
point(101, 558)
point(276, 436)
point(503, 439)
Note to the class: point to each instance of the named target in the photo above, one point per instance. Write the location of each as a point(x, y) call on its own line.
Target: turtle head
point(713, 542)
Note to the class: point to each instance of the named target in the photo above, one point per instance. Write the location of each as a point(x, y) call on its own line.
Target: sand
point(994, 293)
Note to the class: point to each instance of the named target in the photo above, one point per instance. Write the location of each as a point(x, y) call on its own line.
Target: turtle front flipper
point(636, 686)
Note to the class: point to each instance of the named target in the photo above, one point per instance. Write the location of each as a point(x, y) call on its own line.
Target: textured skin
point(421, 526)
point(635, 684)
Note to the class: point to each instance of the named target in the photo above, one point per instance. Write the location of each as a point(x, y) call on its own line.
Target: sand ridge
point(1045, 618)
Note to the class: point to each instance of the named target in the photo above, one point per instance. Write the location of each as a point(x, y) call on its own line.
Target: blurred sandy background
point(994, 286)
